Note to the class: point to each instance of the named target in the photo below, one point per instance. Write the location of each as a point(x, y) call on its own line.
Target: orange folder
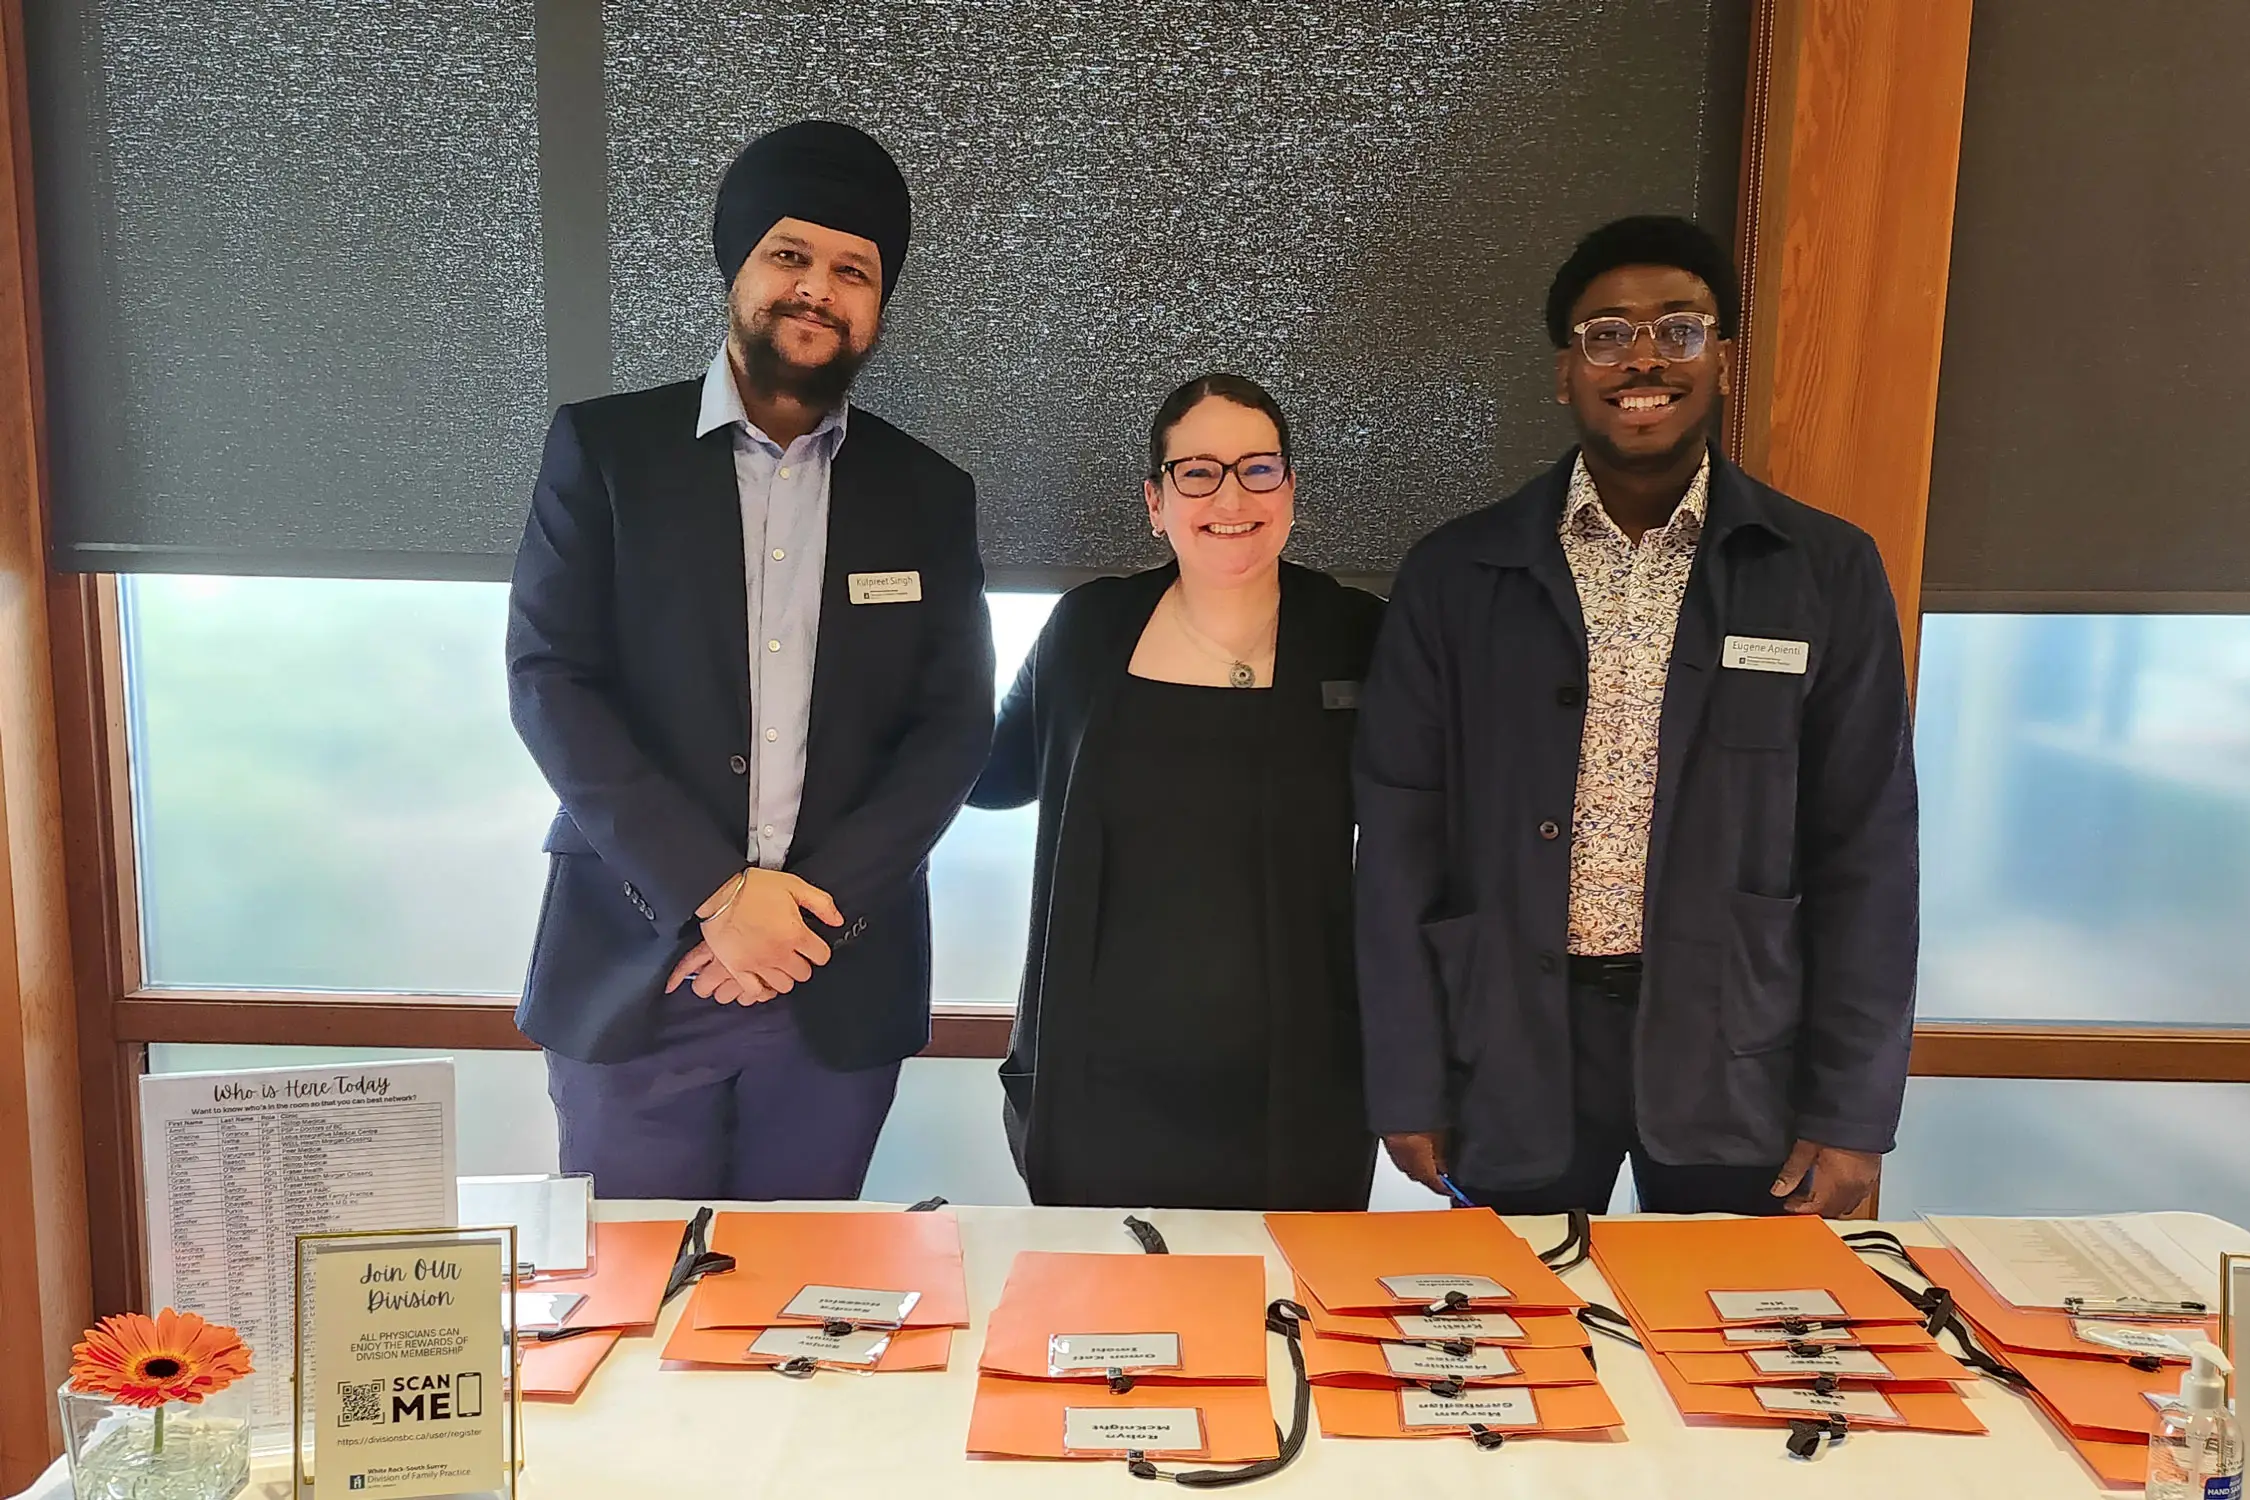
point(778, 1255)
point(2121, 1463)
point(1739, 1368)
point(2098, 1398)
point(910, 1348)
point(1214, 1305)
point(1718, 1341)
point(1357, 1411)
point(1343, 1259)
point(1024, 1418)
point(560, 1370)
point(1666, 1269)
point(1361, 1362)
point(632, 1261)
point(1924, 1408)
point(1557, 1330)
point(2013, 1328)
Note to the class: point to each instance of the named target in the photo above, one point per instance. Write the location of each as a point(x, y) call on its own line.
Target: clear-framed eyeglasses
point(1678, 336)
point(1199, 476)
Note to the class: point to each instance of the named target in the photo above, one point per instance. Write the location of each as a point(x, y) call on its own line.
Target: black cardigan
point(1319, 1153)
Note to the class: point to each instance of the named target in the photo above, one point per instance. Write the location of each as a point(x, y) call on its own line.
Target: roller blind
point(315, 273)
point(2089, 453)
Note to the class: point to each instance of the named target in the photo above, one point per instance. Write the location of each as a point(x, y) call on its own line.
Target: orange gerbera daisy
point(136, 1360)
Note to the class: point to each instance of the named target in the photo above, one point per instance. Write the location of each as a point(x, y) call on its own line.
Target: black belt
point(1604, 968)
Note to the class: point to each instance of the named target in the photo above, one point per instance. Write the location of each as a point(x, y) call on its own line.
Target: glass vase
point(176, 1451)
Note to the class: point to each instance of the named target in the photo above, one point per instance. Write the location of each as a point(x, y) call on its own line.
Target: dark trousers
point(1604, 994)
point(730, 1103)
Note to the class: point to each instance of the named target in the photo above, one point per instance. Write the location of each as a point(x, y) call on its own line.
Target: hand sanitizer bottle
point(2197, 1453)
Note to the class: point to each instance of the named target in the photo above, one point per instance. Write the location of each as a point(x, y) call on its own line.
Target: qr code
point(363, 1401)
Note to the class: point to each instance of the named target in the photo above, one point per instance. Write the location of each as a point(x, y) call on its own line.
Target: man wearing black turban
point(747, 646)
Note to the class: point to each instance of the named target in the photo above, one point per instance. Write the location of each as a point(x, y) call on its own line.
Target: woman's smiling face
point(1233, 533)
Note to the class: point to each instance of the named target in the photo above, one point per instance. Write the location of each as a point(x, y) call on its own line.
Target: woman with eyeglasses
point(1188, 1032)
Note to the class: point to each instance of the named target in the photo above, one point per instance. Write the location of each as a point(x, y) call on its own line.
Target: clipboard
point(1028, 1418)
point(778, 1255)
point(1352, 1411)
point(1681, 1274)
point(2015, 1330)
point(1212, 1309)
point(1385, 1262)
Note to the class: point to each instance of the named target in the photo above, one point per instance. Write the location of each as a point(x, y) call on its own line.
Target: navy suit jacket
point(1780, 927)
point(629, 681)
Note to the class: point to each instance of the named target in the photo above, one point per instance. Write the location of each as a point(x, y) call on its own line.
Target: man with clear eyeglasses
point(1638, 870)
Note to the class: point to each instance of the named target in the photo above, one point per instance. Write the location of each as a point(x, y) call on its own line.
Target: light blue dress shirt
point(784, 496)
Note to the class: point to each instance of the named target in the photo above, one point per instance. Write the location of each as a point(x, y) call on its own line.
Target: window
point(2085, 818)
point(329, 796)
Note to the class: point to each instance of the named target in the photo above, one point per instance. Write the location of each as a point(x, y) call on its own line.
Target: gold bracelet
point(739, 881)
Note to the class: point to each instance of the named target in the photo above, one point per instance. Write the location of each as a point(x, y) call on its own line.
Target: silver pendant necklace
point(1240, 674)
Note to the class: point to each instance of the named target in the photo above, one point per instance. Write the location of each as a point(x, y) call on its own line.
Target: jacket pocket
point(1757, 710)
point(1453, 943)
point(1763, 998)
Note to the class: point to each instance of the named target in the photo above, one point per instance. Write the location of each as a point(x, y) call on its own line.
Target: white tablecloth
point(642, 1430)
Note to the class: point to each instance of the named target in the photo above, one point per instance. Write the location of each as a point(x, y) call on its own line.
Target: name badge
point(895, 588)
point(1427, 1287)
point(1112, 1351)
point(1419, 1409)
point(1764, 1307)
point(1755, 653)
point(1146, 1429)
point(1837, 1362)
point(851, 1304)
point(1412, 1362)
point(1860, 1406)
point(862, 1347)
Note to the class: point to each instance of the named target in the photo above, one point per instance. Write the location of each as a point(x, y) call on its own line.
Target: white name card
point(1433, 1287)
point(895, 588)
point(1779, 1335)
point(1752, 653)
point(1147, 1429)
point(1457, 1326)
point(1112, 1351)
point(1426, 1409)
point(1765, 1307)
point(1413, 1362)
point(852, 1304)
point(1858, 1406)
point(1839, 1362)
point(2133, 1340)
point(862, 1347)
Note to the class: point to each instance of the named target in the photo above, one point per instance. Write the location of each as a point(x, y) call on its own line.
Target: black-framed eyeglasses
point(1200, 475)
point(1678, 336)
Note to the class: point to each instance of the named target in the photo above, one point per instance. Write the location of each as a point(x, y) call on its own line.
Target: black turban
point(824, 173)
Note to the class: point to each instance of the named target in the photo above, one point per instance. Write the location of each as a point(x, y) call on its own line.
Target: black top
point(1219, 945)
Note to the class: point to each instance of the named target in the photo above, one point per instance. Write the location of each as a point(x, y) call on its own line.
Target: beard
point(771, 373)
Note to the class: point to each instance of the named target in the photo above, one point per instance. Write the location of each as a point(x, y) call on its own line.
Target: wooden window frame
point(1807, 261)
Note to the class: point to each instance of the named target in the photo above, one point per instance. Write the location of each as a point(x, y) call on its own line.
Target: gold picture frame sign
point(409, 1318)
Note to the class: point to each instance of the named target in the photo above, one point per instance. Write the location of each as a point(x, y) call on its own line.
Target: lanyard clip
point(1119, 1381)
point(1487, 1438)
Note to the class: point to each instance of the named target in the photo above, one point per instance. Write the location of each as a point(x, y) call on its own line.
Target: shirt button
point(1550, 830)
point(767, 831)
point(785, 473)
point(1548, 963)
point(773, 645)
point(772, 735)
point(737, 764)
point(778, 554)
point(1569, 697)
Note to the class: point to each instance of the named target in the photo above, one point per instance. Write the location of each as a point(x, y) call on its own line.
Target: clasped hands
point(755, 944)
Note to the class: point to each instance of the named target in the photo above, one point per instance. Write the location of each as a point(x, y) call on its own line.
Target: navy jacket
point(1780, 927)
point(629, 681)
